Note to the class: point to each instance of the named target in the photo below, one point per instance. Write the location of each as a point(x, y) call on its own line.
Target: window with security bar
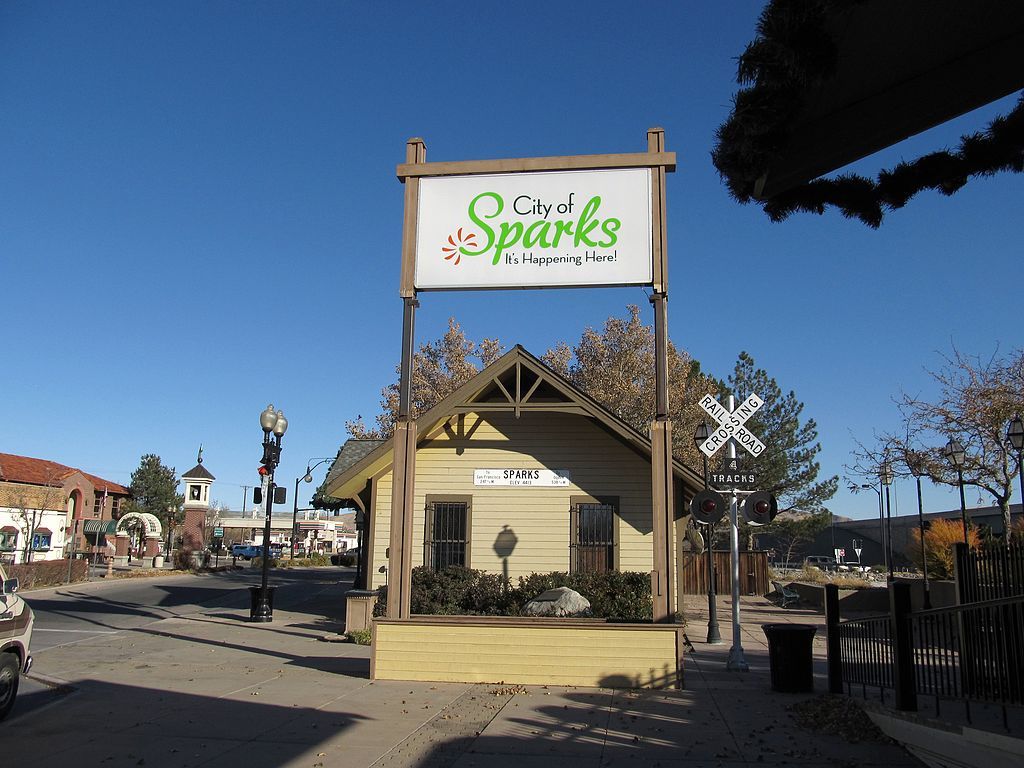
point(592, 542)
point(447, 530)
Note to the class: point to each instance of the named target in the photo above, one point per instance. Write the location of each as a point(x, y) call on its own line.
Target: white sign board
point(730, 425)
point(537, 478)
point(535, 230)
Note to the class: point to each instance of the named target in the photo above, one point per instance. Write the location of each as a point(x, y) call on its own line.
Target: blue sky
point(199, 215)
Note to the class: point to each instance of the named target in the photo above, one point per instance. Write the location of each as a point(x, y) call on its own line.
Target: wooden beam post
point(662, 506)
point(403, 473)
point(415, 154)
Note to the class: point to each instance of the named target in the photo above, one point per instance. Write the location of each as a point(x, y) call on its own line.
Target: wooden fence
point(693, 573)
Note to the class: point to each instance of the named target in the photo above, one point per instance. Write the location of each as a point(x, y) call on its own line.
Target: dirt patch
point(839, 716)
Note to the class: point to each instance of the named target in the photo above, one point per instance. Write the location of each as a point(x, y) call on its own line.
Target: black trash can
point(258, 610)
point(791, 656)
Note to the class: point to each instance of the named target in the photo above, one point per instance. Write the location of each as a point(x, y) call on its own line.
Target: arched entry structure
point(151, 531)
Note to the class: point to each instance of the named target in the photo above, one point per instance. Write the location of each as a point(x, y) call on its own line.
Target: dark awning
point(103, 526)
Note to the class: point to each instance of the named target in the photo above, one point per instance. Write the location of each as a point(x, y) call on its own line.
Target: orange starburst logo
point(455, 243)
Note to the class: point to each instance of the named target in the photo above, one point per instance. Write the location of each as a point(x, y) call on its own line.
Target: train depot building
point(519, 472)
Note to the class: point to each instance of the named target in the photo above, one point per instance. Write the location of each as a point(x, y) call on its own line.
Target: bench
point(786, 595)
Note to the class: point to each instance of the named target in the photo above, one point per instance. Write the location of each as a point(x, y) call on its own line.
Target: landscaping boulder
point(560, 601)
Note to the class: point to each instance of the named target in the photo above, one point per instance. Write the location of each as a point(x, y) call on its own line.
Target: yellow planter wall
point(474, 649)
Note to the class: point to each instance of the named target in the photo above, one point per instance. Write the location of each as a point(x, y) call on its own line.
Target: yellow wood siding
point(599, 465)
point(476, 651)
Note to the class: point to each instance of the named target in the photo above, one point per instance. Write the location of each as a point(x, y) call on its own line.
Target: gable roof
point(24, 469)
point(351, 453)
point(517, 382)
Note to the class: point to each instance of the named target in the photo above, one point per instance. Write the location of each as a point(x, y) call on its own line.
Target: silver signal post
point(731, 428)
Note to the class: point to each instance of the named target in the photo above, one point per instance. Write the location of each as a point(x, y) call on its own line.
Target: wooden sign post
point(613, 234)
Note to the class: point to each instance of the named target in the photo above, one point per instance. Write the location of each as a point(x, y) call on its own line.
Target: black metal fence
point(989, 573)
point(979, 647)
point(969, 652)
point(867, 651)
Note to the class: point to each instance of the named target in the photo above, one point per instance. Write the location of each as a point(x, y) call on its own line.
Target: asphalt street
point(85, 611)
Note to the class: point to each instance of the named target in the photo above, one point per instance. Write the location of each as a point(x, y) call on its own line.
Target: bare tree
point(439, 368)
point(792, 530)
point(616, 367)
point(977, 398)
point(212, 519)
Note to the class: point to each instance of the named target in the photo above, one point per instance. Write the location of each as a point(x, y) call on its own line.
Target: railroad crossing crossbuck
point(730, 425)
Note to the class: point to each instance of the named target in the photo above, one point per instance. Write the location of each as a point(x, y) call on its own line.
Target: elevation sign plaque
point(510, 477)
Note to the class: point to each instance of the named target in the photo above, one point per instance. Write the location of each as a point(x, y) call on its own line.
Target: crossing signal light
point(760, 508)
point(708, 507)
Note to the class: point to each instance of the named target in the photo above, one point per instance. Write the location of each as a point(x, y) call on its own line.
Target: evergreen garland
point(794, 54)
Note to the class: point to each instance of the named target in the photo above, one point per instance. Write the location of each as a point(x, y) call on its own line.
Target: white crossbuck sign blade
point(730, 425)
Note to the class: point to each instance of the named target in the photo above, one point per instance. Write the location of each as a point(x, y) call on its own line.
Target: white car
point(16, 620)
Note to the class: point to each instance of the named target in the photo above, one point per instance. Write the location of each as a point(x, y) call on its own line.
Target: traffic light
point(271, 456)
point(707, 507)
point(760, 508)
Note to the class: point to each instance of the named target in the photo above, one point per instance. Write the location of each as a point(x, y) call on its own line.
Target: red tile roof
point(23, 469)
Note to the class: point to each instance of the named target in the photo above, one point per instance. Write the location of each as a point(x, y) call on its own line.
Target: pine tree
point(154, 489)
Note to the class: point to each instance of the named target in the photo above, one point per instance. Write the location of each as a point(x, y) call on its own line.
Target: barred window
point(447, 531)
point(592, 542)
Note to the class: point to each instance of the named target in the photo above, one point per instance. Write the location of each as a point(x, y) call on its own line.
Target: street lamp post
point(714, 634)
point(955, 454)
point(272, 422)
point(1015, 434)
point(881, 522)
point(914, 465)
point(307, 477)
point(885, 476)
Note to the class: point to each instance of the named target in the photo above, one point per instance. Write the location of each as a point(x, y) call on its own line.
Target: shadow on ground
point(118, 725)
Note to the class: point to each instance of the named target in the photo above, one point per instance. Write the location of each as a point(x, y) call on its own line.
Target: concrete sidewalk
point(214, 689)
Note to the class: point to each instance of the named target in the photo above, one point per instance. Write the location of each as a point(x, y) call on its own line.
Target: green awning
point(109, 527)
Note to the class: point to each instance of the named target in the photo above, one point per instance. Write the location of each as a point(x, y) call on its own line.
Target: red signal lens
point(262, 470)
point(708, 505)
point(762, 507)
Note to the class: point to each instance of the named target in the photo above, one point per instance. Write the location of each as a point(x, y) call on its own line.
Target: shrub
point(360, 636)
point(47, 573)
point(257, 562)
point(620, 595)
point(458, 591)
point(939, 538)
point(313, 561)
point(184, 559)
point(380, 605)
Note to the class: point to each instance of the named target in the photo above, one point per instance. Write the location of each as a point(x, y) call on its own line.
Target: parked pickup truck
point(16, 620)
point(249, 551)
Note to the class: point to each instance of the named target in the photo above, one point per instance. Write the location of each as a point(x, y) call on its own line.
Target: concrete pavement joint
point(248, 687)
point(452, 739)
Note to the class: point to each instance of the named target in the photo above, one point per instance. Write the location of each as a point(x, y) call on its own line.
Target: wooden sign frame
point(409, 173)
